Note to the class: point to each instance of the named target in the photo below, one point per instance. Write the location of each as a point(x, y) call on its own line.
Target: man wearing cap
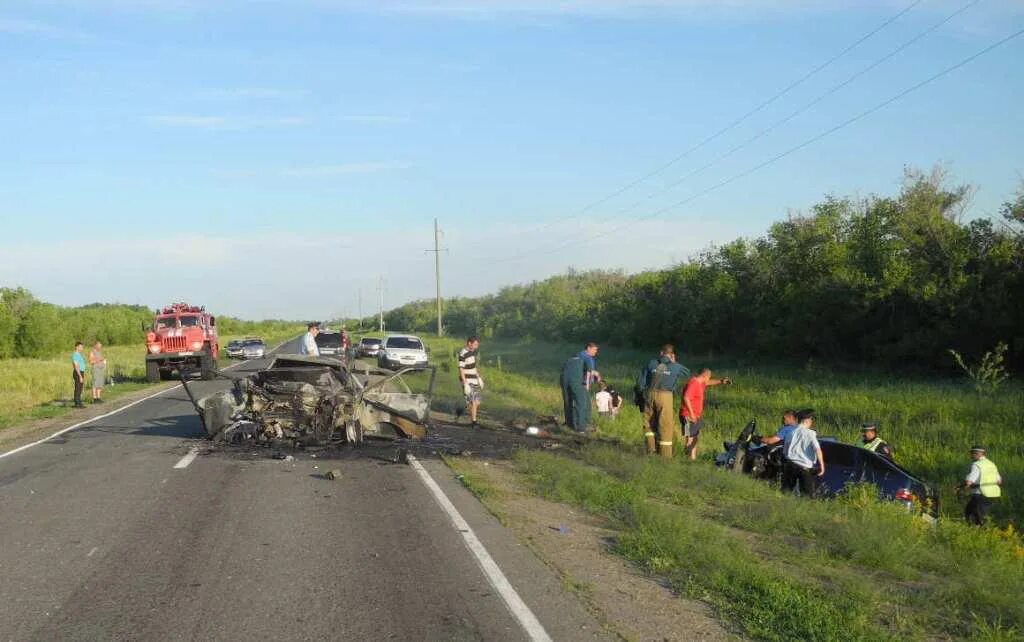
point(871, 441)
point(984, 482)
point(803, 454)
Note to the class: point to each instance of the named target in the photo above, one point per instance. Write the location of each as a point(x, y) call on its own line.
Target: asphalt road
point(101, 537)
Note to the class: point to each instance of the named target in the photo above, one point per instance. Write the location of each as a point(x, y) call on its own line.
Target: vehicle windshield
point(253, 342)
point(407, 343)
point(162, 323)
point(189, 322)
point(234, 344)
point(370, 342)
point(329, 340)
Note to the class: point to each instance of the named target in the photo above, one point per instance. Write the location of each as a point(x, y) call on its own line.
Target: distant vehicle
point(369, 347)
point(844, 464)
point(183, 337)
point(254, 348)
point(402, 351)
point(234, 349)
point(329, 344)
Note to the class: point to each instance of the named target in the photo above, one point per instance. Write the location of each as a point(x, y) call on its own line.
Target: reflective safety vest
point(872, 445)
point(989, 478)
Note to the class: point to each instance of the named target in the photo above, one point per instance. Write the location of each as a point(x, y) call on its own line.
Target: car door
point(843, 466)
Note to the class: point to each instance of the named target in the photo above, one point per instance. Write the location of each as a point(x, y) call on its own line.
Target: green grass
point(41, 388)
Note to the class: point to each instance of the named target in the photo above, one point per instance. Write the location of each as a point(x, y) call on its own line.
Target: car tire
point(207, 366)
point(152, 371)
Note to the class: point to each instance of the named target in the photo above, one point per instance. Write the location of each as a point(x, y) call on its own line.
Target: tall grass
point(40, 388)
point(931, 423)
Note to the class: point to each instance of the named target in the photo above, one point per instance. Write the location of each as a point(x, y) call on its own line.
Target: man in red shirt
point(692, 409)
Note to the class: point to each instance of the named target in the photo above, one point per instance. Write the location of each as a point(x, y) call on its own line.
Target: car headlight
point(154, 348)
point(197, 345)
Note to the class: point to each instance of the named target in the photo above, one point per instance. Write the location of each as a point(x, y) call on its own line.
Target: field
point(854, 568)
point(40, 388)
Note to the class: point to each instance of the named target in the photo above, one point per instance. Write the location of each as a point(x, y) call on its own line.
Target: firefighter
point(869, 440)
point(984, 482)
point(660, 378)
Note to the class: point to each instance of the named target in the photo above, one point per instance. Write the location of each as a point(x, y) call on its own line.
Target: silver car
point(254, 349)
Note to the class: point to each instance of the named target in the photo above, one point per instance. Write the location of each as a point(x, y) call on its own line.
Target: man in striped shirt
point(469, 376)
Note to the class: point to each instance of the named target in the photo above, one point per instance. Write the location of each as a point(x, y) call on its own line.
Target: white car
point(402, 351)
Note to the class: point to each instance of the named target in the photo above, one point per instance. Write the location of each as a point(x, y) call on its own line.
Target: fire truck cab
point(182, 337)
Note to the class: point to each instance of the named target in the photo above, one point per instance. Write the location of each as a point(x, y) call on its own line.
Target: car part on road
point(309, 401)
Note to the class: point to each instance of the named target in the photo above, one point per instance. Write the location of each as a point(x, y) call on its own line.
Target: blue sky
point(274, 158)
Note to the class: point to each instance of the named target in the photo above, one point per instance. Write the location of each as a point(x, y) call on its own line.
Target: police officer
point(984, 482)
point(660, 379)
point(869, 440)
point(576, 374)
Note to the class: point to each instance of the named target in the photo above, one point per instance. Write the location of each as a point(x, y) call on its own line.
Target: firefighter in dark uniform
point(869, 440)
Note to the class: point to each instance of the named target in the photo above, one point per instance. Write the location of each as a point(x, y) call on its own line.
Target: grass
point(41, 388)
point(778, 567)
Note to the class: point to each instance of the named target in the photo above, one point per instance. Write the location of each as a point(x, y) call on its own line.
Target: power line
point(764, 132)
point(795, 148)
point(793, 85)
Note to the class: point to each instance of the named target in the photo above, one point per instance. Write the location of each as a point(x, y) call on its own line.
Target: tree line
point(895, 281)
point(36, 329)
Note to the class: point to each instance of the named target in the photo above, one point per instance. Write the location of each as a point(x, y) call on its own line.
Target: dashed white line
point(187, 459)
point(515, 604)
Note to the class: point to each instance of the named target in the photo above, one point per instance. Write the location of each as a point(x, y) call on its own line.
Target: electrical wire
point(788, 152)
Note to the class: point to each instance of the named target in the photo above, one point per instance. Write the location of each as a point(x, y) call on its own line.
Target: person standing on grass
point(658, 381)
point(78, 373)
point(469, 376)
point(691, 411)
point(787, 428)
point(802, 450)
point(871, 441)
point(603, 399)
point(985, 484)
point(309, 346)
point(589, 356)
point(576, 373)
point(99, 371)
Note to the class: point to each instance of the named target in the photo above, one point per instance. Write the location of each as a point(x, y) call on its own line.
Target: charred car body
point(845, 464)
point(305, 401)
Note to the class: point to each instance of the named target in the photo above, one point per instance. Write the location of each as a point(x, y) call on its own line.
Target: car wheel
point(152, 371)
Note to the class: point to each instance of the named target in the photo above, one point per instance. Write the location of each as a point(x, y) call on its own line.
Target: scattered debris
point(332, 474)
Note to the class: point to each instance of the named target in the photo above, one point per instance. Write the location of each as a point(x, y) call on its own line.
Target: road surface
point(118, 530)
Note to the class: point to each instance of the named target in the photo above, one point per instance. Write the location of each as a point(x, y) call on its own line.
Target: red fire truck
point(182, 336)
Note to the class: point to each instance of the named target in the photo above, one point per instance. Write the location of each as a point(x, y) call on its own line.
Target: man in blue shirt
point(577, 372)
point(788, 426)
point(660, 378)
point(78, 373)
point(589, 357)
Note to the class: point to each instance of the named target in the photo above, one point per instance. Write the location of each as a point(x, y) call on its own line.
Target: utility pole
point(360, 307)
point(380, 293)
point(437, 276)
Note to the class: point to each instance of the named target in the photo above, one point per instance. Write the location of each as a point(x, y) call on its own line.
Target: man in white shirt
point(604, 401)
point(803, 454)
point(308, 346)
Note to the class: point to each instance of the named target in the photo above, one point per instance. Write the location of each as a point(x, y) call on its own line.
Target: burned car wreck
point(307, 401)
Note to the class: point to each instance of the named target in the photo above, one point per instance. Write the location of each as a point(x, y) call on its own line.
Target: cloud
point(225, 122)
point(376, 119)
point(37, 29)
point(346, 168)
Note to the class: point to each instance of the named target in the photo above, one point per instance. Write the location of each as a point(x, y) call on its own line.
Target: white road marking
point(187, 459)
point(519, 610)
point(113, 412)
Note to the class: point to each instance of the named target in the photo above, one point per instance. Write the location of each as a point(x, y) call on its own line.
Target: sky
point(281, 159)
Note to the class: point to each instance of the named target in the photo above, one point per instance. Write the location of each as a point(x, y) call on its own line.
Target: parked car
point(234, 349)
point(369, 347)
point(329, 344)
point(844, 464)
point(402, 351)
point(254, 348)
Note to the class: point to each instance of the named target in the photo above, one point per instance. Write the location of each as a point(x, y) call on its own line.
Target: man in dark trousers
point(659, 380)
point(985, 484)
point(804, 460)
point(78, 373)
point(576, 373)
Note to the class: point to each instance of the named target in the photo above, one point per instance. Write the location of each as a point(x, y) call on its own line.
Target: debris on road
point(332, 474)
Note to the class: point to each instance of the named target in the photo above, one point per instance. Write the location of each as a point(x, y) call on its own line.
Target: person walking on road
point(78, 373)
point(871, 441)
point(803, 454)
point(309, 346)
point(469, 376)
point(658, 380)
point(576, 375)
point(691, 411)
point(985, 484)
point(99, 371)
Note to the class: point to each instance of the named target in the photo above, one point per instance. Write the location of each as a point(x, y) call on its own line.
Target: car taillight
point(905, 495)
point(154, 347)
